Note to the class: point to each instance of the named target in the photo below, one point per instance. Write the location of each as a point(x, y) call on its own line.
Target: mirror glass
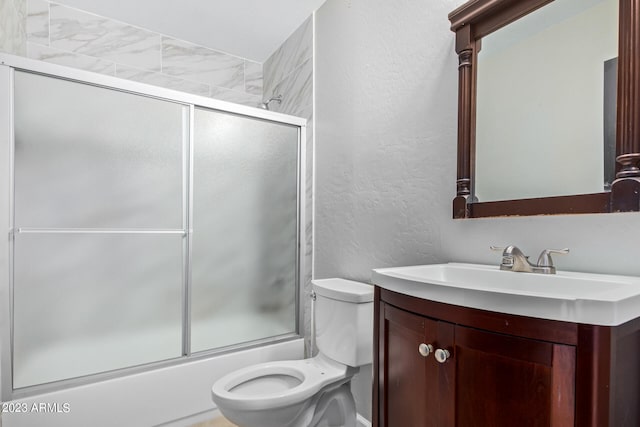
point(546, 94)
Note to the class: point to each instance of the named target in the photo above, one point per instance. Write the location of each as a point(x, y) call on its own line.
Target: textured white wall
point(385, 139)
point(386, 94)
point(386, 77)
point(385, 134)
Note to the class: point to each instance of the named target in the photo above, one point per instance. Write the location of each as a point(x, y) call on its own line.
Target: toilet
point(312, 392)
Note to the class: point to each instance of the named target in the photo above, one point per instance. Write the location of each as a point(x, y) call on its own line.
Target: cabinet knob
point(425, 349)
point(442, 355)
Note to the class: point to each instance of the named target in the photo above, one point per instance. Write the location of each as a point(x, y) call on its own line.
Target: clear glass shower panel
point(244, 245)
point(88, 303)
point(91, 157)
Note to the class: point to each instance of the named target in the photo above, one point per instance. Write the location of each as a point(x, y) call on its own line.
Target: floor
point(216, 422)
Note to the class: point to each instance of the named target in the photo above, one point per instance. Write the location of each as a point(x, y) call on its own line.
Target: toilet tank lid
point(344, 290)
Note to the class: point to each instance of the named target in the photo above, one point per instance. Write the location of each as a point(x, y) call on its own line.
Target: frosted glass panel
point(89, 303)
point(90, 157)
point(244, 230)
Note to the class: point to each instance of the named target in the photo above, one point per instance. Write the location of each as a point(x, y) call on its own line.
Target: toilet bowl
point(278, 393)
point(310, 392)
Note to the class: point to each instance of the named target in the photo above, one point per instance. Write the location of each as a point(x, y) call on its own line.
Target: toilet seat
point(295, 381)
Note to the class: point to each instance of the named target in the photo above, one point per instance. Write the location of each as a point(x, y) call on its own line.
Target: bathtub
point(178, 395)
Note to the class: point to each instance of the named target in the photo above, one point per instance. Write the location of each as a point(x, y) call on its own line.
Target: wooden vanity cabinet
point(502, 370)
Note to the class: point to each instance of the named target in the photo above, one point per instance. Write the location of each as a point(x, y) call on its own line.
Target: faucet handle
point(508, 250)
point(512, 257)
point(544, 260)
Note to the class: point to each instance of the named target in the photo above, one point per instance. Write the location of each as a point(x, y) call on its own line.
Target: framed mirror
point(548, 107)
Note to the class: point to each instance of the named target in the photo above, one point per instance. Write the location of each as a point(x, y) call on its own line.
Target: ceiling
point(252, 29)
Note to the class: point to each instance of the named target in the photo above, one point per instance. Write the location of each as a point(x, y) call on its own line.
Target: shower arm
point(265, 104)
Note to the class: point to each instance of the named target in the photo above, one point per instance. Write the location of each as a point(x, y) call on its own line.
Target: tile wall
point(51, 32)
point(12, 26)
point(289, 72)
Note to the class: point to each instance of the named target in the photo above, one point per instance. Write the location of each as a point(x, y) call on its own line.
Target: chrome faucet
point(513, 259)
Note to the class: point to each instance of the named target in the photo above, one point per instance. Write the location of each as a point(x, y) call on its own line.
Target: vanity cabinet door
point(410, 380)
point(508, 381)
point(505, 371)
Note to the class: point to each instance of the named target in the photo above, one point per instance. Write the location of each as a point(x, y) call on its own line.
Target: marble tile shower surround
point(92, 35)
point(12, 26)
point(69, 59)
point(67, 36)
point(253, 77)
point(293, 53)
point(289, 72)
point(297, 91)
point(200, 64)
point(161, 79)
point(38, 21)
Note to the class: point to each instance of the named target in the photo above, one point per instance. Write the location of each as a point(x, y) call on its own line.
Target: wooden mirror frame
point(478, 18)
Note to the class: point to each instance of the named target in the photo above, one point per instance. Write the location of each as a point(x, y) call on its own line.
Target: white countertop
point(597, 299)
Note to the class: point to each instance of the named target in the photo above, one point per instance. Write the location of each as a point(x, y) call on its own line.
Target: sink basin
point(595, 299)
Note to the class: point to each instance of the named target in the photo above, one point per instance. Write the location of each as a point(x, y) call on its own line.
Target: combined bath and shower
point(277, 99)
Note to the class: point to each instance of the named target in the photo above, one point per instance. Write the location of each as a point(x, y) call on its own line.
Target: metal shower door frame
point(9, 63)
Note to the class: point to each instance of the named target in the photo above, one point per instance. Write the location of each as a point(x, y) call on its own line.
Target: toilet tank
point(344, 320)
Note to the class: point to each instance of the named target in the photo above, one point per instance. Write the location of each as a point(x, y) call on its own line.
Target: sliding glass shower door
point(244, 229)
point(98, 253)
point(145, 230)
